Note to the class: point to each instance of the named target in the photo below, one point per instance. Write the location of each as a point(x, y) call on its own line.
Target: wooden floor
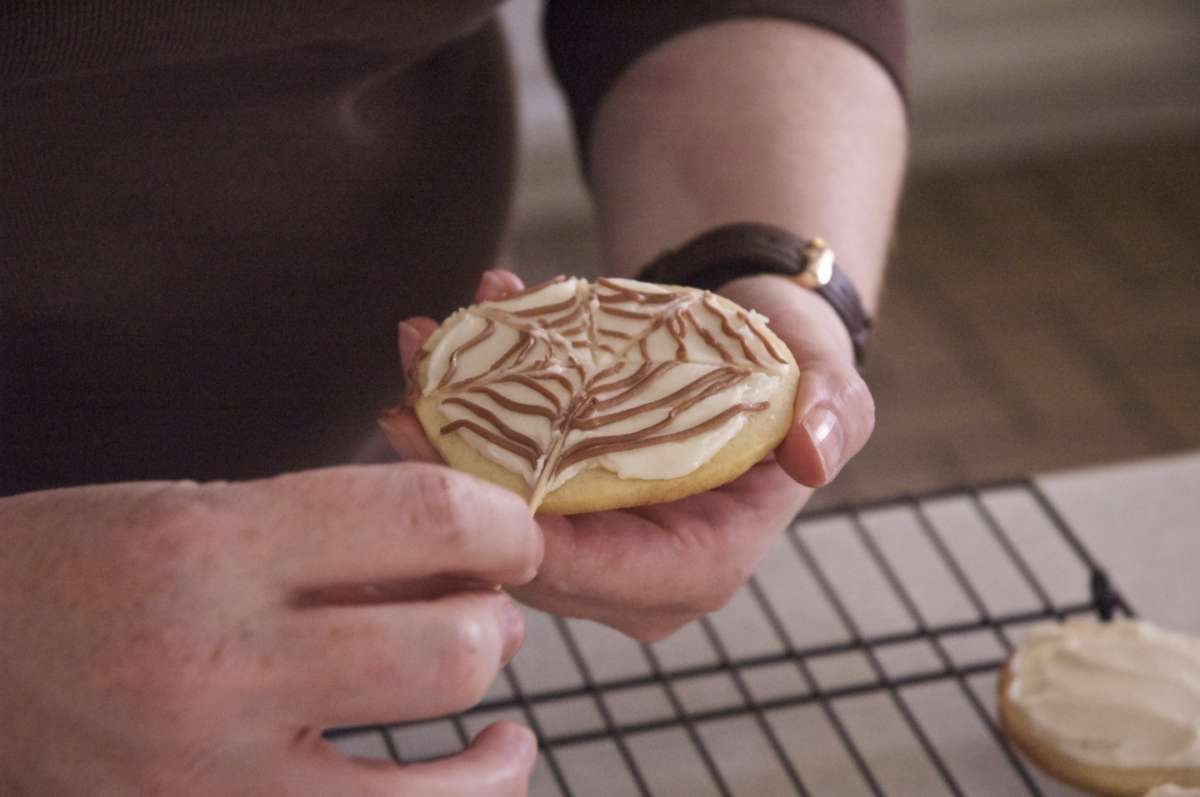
point(1037, 315)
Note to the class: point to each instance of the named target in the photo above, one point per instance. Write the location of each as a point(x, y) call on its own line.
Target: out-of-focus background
point(1042, 307)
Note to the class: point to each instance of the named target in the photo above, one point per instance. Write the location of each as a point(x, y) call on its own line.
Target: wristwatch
point(726, 253)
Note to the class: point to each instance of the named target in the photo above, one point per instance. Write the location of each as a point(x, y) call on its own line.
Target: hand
point(647, 571)
point(835, 413)
point(174, 638)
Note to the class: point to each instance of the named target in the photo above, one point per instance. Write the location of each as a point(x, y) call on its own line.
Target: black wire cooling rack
point(860, 659)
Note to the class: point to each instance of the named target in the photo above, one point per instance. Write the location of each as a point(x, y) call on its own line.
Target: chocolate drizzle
point(592, 372)
point(547, 309)
point(729, 331)
point(758, 334)
point(598, 446)
point(483, 335)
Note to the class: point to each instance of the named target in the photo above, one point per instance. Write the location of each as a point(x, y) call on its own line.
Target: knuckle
point(176, 506)
point(174, 528)
point(456, 509)
point(435, 504)
point(466, 661)
point(852, 392)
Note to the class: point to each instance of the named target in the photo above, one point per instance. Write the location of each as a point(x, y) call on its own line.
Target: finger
point(497, 283)
point(379, 523)
point(349, 665)
point(834, 417)
point(497, 763)
point(407, 436)
point(411, 336)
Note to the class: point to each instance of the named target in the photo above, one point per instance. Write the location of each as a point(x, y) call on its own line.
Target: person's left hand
point(648, 570)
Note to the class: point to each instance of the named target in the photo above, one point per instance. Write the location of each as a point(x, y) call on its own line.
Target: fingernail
point(827, 437)
point(512, 623)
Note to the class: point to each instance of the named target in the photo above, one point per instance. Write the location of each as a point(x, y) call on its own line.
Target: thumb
point(497, 763)
point(834, 416)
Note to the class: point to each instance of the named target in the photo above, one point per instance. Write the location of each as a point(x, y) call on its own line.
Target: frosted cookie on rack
point(1113, 708)
point(588, 396)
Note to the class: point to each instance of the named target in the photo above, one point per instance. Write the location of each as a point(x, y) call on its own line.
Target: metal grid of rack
point(860, 659)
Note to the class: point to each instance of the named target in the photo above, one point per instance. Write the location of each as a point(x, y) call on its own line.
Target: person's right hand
point(183, 639)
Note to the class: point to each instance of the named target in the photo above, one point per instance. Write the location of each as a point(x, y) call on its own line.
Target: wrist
point(794, 311)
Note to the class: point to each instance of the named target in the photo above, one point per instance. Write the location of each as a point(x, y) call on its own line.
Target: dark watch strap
point(741, 250)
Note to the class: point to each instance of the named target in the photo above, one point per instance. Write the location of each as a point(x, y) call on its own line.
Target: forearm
point(753, 120)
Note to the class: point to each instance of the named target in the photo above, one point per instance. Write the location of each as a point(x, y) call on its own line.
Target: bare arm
point(762, 120)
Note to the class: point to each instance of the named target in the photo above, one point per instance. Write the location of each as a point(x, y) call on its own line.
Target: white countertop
point(1141, 521)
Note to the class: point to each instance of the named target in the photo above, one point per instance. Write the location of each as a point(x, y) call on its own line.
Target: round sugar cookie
point(582, 397)
point(1112, 708)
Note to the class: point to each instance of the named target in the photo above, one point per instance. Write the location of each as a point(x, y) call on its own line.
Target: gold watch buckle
point(818, 264)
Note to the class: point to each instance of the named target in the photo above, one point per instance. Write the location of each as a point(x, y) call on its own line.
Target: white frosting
point(1119, 694)
point(673, 460)
point(589, 336)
